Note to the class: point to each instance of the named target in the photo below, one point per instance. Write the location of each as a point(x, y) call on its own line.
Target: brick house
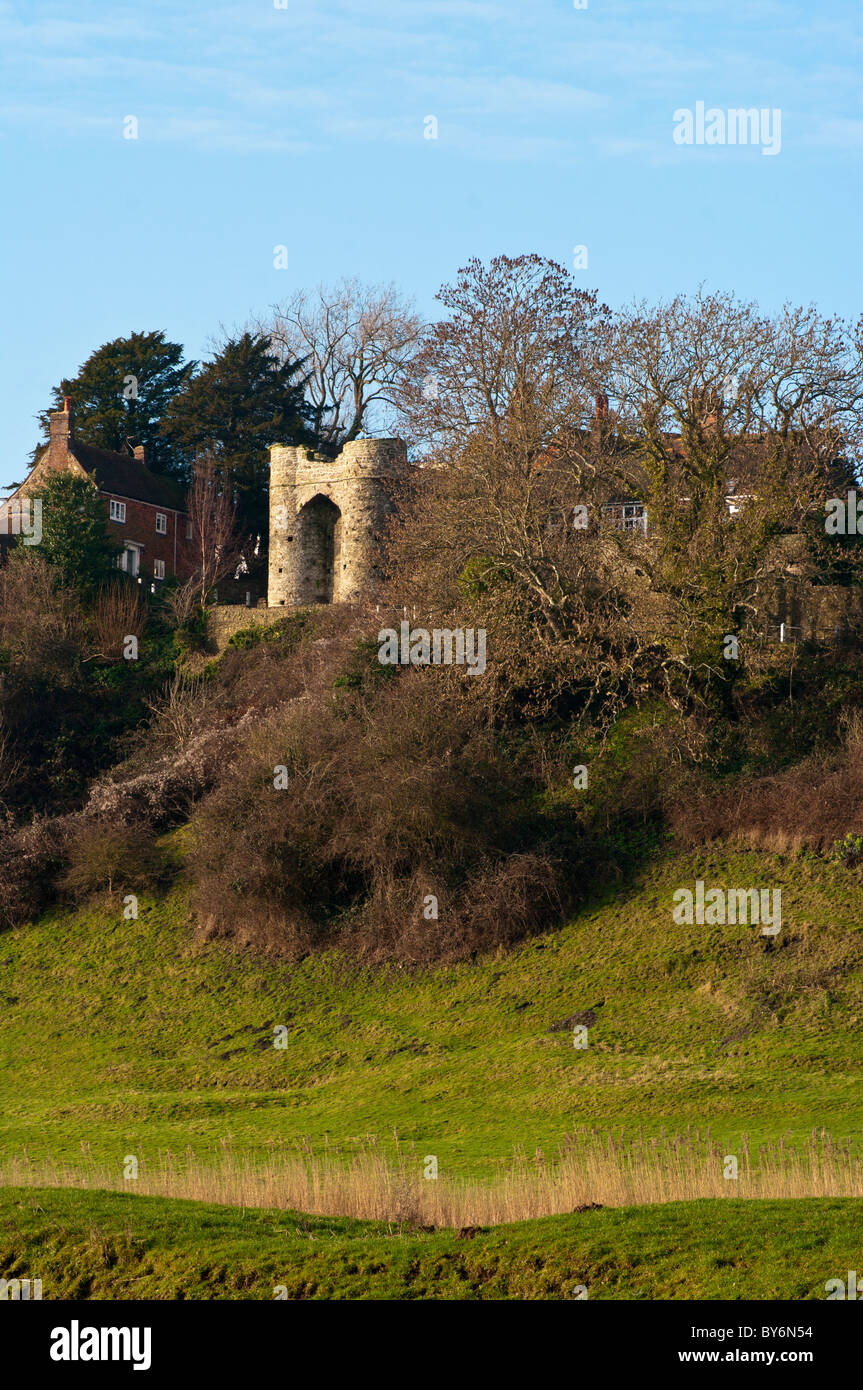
point(146, 513)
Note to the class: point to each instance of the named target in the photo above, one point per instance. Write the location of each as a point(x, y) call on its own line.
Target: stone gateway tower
point(327, 518)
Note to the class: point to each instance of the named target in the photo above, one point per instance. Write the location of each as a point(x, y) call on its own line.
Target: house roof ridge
point(123, 474)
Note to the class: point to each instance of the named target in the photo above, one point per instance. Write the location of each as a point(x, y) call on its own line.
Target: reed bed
point(372, 1184)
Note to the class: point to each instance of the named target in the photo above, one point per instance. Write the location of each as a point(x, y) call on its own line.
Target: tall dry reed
point(371, 1185)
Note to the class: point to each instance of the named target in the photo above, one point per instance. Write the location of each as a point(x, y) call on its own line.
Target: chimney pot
point(140, 453)
point(601, 405)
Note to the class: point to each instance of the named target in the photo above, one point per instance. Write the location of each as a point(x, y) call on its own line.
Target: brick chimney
point(601, 405)
point(140, 453)
point(60, 422)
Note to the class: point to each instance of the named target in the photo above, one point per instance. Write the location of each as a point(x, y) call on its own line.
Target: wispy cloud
point(506, 82)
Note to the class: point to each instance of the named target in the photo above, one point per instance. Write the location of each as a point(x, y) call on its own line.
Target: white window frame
point(158, 569)
point(117, 511)
point(163, 518)
point(635, 517)
point(626, 516)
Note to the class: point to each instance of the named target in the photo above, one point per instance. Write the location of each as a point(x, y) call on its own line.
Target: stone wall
point(230, 592)
point(224, 620)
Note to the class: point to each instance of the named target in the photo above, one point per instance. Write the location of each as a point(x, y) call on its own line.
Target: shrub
point(192, 633)
point(815, 804)
point(102, 857)
point(67, 699)
point(29, 860)
point(396, 791)
point(848, 851)
point(287, 631)
point(176, 711)
point(119, 611)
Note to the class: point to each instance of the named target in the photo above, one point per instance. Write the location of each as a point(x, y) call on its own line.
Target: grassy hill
point(133, 1036)
point(108, 1245)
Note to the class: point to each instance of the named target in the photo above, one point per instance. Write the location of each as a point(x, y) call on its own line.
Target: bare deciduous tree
point(729, 407)
point(501, 401)
point(356, 342)
point(216, 539)
point(530, 402)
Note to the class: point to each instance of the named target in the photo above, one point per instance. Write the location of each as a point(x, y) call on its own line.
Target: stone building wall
point(327, 518)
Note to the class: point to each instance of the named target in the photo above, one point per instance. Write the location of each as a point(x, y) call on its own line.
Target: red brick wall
point(140, 526)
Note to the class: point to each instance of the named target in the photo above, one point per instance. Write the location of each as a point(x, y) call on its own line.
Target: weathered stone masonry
point(327, 518)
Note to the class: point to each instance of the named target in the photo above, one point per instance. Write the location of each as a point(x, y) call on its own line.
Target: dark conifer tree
point(75, 539)
point(120, 395)
point(236, 406)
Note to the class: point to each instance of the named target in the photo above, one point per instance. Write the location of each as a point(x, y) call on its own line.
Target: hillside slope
point(133, 1036)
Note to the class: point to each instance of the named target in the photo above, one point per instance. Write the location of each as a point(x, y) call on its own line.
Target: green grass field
point(131, 1036)
point(108, 1245)
point(135, 1037)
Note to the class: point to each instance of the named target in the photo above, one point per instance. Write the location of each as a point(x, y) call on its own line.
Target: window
point(626, 516)
point(635, 517)
point(188, 530)
point(161, 523)
point(158, 569)
point(118, 510)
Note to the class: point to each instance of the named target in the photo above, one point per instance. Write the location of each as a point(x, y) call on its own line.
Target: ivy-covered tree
point(75, 539)
point(233, 408)
point(121, 393)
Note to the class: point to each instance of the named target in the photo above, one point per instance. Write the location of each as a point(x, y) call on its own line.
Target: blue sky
point(304, 126)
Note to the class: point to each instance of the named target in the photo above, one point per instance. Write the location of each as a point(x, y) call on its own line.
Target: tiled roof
point(127, 476)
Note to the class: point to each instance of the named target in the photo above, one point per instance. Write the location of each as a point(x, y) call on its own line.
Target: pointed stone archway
point(318, 536)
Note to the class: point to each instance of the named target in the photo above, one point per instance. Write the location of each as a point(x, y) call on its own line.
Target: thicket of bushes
point(395, 794)
point(68, 698)
point(814, 804)
point(420, 819)
point(407, 785)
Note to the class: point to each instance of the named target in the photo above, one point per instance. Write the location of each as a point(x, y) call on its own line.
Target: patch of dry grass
point(812, 805)
point(590, 1168)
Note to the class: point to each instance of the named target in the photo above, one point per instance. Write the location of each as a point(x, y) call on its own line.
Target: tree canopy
point(75, 539)
point(233, 408)
point(120, 395)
